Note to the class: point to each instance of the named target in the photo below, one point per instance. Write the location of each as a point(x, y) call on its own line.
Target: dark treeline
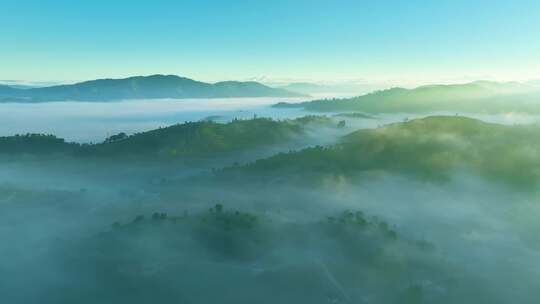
point(186, 139)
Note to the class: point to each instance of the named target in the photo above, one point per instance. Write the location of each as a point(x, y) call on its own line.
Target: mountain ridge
point(478, 96)
point(142, 87)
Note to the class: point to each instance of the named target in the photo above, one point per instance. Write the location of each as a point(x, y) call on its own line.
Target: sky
point(273, 40)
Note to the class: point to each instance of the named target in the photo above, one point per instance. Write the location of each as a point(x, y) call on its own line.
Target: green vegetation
point(38, 144)
point(198, 139)
point(476, 97)
point(355, 115)
point(341, 259)
point(353, 222)
point(295, 238)
point(431, 149)
point(232, 234)
point(201, 138)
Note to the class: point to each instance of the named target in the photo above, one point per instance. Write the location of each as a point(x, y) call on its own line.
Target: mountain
point(250, 89)
point(6, 90)
point(343, 89)
point(479, 96)
point(143, 87)
point(306, 87)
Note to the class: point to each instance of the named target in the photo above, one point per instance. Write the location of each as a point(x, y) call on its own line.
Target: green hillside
point(431, 148)
point(188, 139)
point(476, 97)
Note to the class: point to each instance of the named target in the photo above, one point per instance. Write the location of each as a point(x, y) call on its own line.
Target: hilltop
point(186, 139)
point(430, 149)
point(478, 97)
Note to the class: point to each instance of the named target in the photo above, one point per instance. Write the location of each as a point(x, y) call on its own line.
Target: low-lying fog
point(94, 121)
point(55, 218)
point(483, 236)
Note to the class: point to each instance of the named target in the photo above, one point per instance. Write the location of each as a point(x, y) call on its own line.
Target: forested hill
point(186, 139)
point(430, 149)
point(475, 97)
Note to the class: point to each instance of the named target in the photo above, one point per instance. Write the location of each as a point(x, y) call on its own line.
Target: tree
point(117, 137)
point(219, 208)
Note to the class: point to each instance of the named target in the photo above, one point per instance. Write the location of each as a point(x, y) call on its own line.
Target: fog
point(463, 240)
point(483, 236)
point(94, 121)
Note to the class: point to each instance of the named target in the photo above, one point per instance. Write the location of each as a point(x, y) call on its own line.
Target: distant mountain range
point(477, 97)
point(330, 89)
point(306, 87)
point(141, 87)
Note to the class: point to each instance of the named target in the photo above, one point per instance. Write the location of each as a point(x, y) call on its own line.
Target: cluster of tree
point(186, 139)
point(358, 221)
point(237, 234)
point(35, 144)
point(431, 149)
point(116, 137)
point(355, 115)
point(343, 258)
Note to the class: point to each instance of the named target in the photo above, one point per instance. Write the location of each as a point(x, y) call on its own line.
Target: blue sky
point(409, 40)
